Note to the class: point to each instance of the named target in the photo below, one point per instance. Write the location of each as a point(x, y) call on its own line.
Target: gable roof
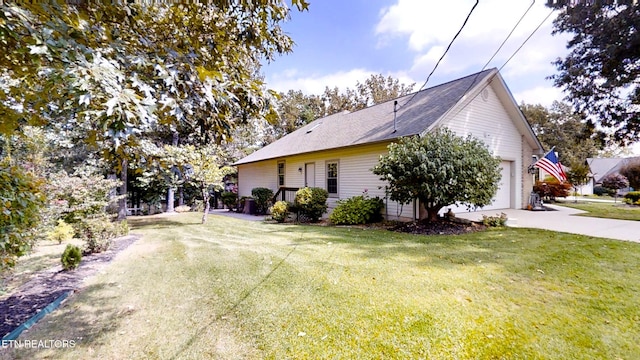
point(416, 113)
point(602, 167)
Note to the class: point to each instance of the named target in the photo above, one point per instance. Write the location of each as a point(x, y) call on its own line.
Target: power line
point(503, 65)
point(443, 54)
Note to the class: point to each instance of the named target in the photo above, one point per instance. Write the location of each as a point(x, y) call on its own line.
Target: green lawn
point(248, 290)
point(617, 210)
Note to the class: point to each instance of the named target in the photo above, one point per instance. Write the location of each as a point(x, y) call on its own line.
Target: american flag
point(550, 164)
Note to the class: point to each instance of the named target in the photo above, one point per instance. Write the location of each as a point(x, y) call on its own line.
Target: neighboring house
point(337, 152)
point(599, 168)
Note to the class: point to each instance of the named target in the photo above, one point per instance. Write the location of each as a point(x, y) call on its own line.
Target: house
point(337, 152)
point(599, 168)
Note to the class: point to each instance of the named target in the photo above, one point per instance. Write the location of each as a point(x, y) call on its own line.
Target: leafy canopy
point(601, 74)
point(440, 169)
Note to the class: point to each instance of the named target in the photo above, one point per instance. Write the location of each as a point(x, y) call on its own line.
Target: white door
point(310, 175)
point(502, 200)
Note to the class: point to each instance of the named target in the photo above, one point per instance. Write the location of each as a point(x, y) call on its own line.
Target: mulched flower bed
point(442, 227)
point(50, 284)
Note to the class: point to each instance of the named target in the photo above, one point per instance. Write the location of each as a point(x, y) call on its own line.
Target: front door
point(310, 175)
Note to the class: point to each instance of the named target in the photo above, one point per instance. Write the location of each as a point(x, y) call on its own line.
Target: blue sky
point(341, 42)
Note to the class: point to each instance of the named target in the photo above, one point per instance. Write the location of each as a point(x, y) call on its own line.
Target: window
point(332, 178)
point(281, 170)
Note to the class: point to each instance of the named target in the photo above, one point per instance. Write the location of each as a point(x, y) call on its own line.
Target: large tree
point(118, 71)
point(601, 74)
point(440, 169)
point(574, 137)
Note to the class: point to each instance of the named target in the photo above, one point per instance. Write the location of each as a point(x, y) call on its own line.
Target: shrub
point(182, 208)
point(600, 191)
point(615, 182)
point(632, 198)
point(121, 228)
point(311, 203)
point(197, 206)
point(495, 221)
point(229, 199)
point(280, 211)
point(62, 232)
point(357, 210)
point(97, 234)
point(71, 257)
point(262, 197)
point(21, 199)
point(552, 188)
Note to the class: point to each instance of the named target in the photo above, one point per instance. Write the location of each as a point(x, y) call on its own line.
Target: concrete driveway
point(563, 219)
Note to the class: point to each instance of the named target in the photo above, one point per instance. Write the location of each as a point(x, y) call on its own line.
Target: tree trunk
point(171, 200)
point(180, 196)
point(205, 198)
point(122, 202)
point(430, 214)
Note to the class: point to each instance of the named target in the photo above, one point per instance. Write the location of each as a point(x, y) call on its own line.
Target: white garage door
point(503, 196)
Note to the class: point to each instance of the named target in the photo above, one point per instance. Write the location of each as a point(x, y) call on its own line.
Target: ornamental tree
point(615, 182)
point(440, 169)
point(632, 172)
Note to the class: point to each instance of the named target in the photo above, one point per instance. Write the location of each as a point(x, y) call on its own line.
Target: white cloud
point(315, 84)
point(544, 95)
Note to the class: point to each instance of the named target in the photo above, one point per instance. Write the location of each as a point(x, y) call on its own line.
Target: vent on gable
point(484, 94)
point(314, 127)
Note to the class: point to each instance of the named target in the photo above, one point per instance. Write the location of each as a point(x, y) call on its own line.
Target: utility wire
point(499, 48)
point(443, 54)
point(505, 64)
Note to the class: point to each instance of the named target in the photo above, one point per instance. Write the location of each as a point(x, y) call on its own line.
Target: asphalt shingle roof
point(372, 124)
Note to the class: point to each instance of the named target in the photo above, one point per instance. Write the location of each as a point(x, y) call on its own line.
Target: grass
point(618, 210)
point(45, 256)
point(233, 289)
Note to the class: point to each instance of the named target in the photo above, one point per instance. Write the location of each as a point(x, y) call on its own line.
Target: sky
point(340, 42)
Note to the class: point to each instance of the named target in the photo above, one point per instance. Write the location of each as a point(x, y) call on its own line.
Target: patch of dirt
point(442, 227)
point(48, 285)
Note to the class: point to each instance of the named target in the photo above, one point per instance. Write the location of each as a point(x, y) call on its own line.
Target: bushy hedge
point(262, 197)
point(229, 199)
point(280, 211)
point(98, 233)
point(632, 198)
point(61, 232)
point(602, 191)
point(311, 203)
point(71, 257)
point(357, 210)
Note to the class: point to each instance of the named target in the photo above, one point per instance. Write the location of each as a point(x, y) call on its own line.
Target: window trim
point(327, 178)
point(283, 174)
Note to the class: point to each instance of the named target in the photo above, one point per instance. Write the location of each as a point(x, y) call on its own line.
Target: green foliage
point(62, 232)
point(495, 221)
point(311, 203)
point(263, 197)
point(229, 199)
point(599, 73)
point(561, 127)
point(359, 209)
point(21, 199)
point(280, 211)
point(603, 191)
point(631, 170)
point(71, 257)
point(440, 169)
point(98, 233)
point(551, 188)
point(632, 198)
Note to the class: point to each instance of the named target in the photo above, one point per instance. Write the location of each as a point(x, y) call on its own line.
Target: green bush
point(97, 233)
point(62, 232)
point(229, 199)
point(632, 198)
point(603, 191)
point(262, 197)
point(495, 221)
point(357, 210)
point(197, 206)
point(280, 211)
point(311, 203)
point(121, 228)
point(71, 257)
